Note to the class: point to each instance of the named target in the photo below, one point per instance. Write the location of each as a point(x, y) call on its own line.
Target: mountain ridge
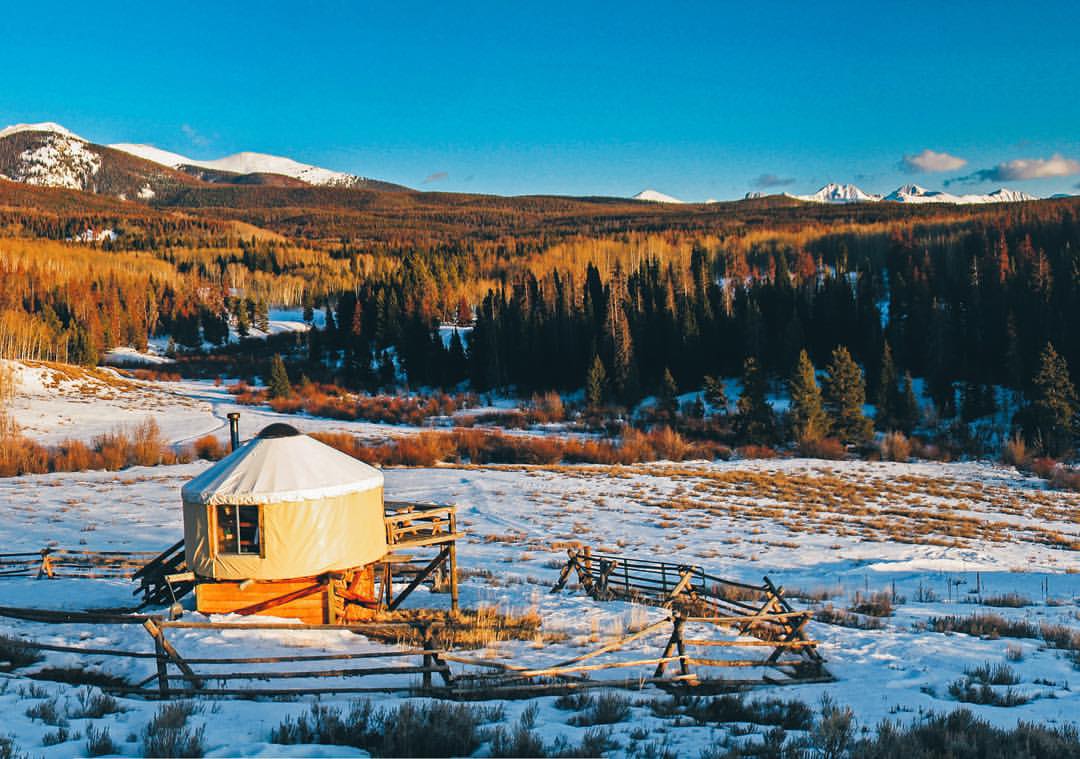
point(834, 193)
point(48, 154)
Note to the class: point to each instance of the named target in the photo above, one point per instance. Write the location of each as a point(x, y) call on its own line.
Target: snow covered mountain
point(246, 164)
point(839, 193)
point(656, 197)
point(913, 193)
point(909, 193)
point(49, 155)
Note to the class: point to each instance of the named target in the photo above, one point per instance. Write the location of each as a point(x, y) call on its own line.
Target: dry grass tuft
point(463, 629)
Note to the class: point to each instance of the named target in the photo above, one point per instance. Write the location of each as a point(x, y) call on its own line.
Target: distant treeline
point(548, 285)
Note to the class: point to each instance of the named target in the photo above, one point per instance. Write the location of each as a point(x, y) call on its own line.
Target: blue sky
point(699, 100)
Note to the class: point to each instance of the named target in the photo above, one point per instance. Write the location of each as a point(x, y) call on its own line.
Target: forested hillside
point(967, 295)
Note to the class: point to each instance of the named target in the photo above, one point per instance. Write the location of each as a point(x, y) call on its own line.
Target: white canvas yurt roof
point(281, 465)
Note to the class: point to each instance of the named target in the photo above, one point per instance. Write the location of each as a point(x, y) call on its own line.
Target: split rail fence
point(696, 597)
point(666, 660)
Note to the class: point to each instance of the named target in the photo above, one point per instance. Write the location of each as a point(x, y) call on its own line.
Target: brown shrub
point(155, 375)
point(146, 444)
point(74, 456)
point(895, 447)
point(1015, 452)
point(756, 452)
point(1064, 478)
point(668, 444)
point(352, 446)
point(113, 449)
point(929, 451)
point(209, 448)
point(634, 447)
point(547, 408)
point(425, 449)
point(19, 455)
point(286, 405)
point(821, 448)
point(1044, 467)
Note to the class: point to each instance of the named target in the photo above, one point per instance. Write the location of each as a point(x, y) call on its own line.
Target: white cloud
point(931, 161)
point(1056, 165)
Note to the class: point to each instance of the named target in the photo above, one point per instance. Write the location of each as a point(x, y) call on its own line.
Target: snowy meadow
point(934, 585)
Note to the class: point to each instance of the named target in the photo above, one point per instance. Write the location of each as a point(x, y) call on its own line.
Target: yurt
point(284, 525)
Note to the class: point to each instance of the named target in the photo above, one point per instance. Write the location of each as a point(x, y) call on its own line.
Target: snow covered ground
point(941, 537)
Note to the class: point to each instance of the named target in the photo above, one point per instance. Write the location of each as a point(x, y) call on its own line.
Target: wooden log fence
point(677, 666)
point(697, 596)
point(61, 562)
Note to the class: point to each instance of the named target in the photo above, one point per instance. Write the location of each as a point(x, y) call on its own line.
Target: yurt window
point(238, 529)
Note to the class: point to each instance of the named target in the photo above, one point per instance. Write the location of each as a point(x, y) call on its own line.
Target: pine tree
point(595, 383)
point(262, 315)
point(908, 414)
point(669, 395)
point(697, 408)
point(243, 322)
point(808, 419)
point(278, 385)
point(716, 395)
point(755, 422)
point(1050, 420)
point(887, 396)
point(844, 395)
point(387, 371)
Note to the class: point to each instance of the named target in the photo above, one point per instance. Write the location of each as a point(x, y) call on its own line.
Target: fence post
point(453, 562)
point(428, 663)
point(163, 647)
point(680, 646)
point(162, 667)
point(676, 621)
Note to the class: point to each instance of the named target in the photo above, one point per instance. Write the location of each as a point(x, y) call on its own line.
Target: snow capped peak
point(909, 193)
point(913, 193)
point(911, 189)
point(150, 153)
point(44, 126)
point(1005, 195)
point(245, 163)
point(839, 193)
point(655, 197)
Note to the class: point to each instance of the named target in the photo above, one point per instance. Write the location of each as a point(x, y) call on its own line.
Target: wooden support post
point(669, 649)
point(167, 649)
point(453, 562)
point(601, 588)
point(680, 646)
point(331, 602)
point(684, 582)
point(564, 575)
point(388, 584)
